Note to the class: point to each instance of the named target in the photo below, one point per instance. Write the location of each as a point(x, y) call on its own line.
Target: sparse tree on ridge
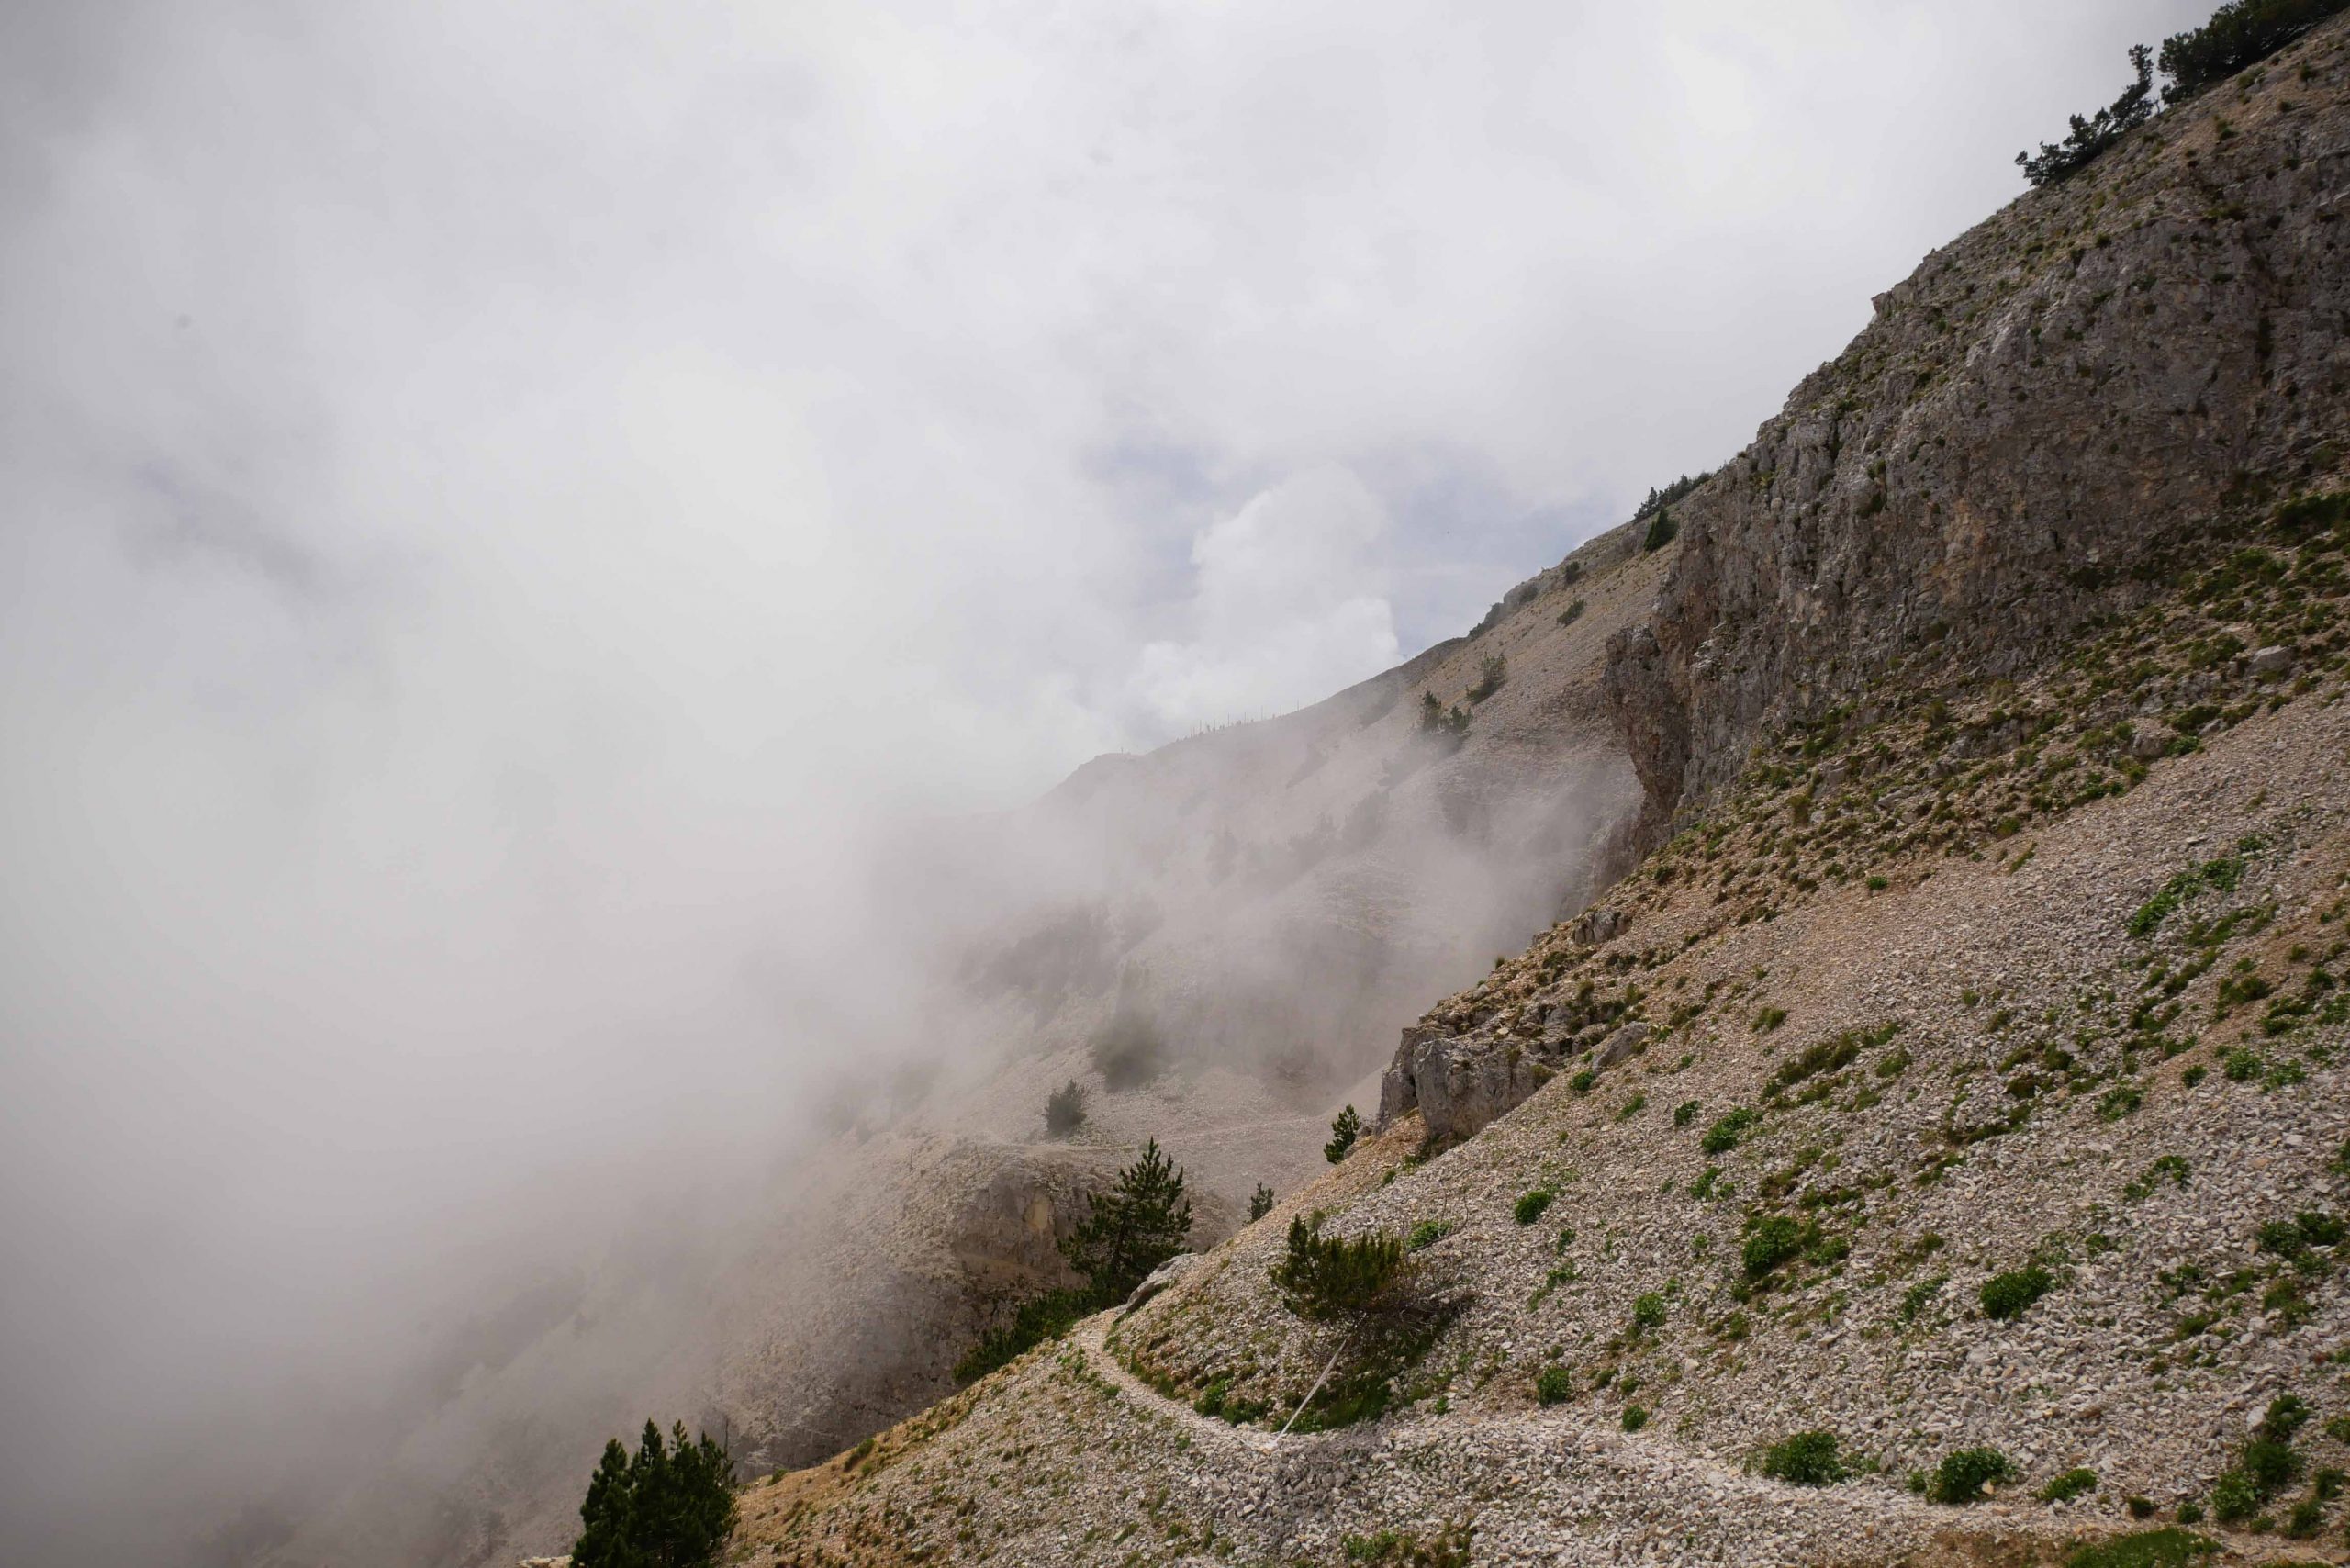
point(1344, 1130)
point(1131, 1228)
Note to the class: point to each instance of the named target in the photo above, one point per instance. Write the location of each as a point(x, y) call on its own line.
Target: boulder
point(1165, 1274)
point(1458, 1084)
point(1600, 926)
point(1623, 1043)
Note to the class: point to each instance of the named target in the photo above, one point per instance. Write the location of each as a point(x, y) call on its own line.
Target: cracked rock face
point(2031, 415)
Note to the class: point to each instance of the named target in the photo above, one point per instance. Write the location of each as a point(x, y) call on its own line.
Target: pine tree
point(671, 1506)
point(1662, 531)
point(1261, 1203)
point(1325, 1277)
point(1133, 1228)
point(1065, 1109)
point(1344, 1130)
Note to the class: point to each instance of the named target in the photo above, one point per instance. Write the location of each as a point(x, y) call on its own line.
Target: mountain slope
point(1961, 1068)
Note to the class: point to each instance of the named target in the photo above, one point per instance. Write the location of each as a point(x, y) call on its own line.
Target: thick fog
point(511, 512)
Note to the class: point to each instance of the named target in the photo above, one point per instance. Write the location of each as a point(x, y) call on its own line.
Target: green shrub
point(1037, 1320)
point(1326, 1277)
point(1635, 1418)
point(2007, 1296)
point(1723, 1135)
point(1490, 676)
point(1769, 1018)
point(1344, 1130)
point(1130, 1051)
point(1581, 1081)
point(2169, 1167)
point(2164, 1548)
point(2069, 1485)
point(671, 1505)
point(1648, 1310)
point(1662, 531)
point(1825, 1057)
point(2266, 1464)
point(1913, 1301)
point(1446, 725)
point(1260, 1202)
point(1391, 1548)
point(1572, 613)
point(1807, 1459)
point(1427, 1234)
point(1065, 1109)
point(1529, 1206)
point(1770, 1242)
point(2235, 1497)
point(1962, 1476)
point(1554, 1385)
point(1686, 1112)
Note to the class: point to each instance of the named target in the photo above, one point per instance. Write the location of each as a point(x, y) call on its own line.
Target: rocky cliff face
point(2033, 416)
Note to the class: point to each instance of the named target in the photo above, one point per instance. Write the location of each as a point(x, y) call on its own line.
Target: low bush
point(2069, 1485)
point(1554, 1385)
point(1635, 1418)
point(2009, 1296)
point(1531, 1205)
point(1807, 1459)
point(1770, 1242)
point(2166, 1547)
point(1427, 1234)
point(1065, 1109)
point(1723, 1135)
point(1037, 1320)
point(2267, 1463)
point(1963, 1476)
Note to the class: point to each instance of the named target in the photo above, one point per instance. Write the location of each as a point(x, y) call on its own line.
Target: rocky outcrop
point(2008, 447)
point(1458, 1083)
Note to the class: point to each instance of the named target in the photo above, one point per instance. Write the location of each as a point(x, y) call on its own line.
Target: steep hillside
point(1961, 1072)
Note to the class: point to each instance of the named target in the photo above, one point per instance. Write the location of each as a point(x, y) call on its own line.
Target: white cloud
point(1290, 605)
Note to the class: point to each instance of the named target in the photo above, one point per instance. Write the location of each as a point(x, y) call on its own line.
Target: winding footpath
point(1558, 1489)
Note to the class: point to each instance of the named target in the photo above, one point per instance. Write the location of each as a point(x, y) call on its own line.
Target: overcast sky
point(499, 498)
